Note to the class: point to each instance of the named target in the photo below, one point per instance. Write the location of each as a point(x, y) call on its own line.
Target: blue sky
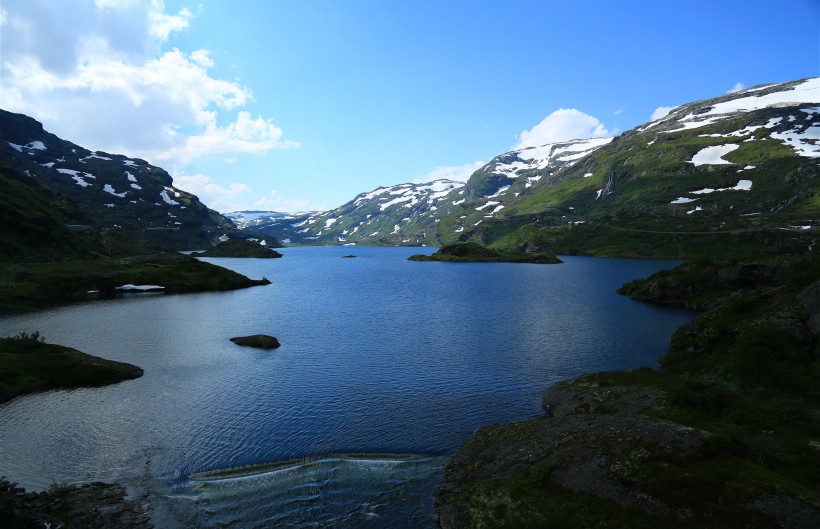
point(264, 104)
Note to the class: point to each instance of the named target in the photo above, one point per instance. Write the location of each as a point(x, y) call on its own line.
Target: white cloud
point(460, 173)
point(66, 63)
point(618, 112)
point(562, 125)
point(163, 24)
point(737, 88)
point(276, 202)
point(661, 112)
point(215, 196)
point(245, 135)
point(236, 196)
point(202, 58)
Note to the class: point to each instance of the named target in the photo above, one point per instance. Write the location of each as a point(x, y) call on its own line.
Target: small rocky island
point(239, 248)
point(28, 365)
point(470, 252)
point(259, 341)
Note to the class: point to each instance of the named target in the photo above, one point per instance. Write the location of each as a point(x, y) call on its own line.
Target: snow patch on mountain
point(691, 116)
point(165, 198)
point(108, 189)
point(714, 155)
point(513, 163)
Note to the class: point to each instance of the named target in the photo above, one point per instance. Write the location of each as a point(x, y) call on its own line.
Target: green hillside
point(646, 193)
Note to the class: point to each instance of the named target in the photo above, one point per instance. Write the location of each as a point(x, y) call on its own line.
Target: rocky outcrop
point(600, 444)
point(91, 506)
point(594, 442)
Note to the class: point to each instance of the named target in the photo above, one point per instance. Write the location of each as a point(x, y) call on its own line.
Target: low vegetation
point(28, 364)
point(469, 252)
point(80, 279)
point(239, 248)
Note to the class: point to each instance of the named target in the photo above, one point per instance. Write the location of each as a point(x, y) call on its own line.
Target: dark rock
point(90, 506)
point(809, 298)
point(591, 453)
point(260, 341)
point(578, 397)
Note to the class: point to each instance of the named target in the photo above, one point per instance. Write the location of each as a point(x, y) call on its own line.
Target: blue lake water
point(379, 355)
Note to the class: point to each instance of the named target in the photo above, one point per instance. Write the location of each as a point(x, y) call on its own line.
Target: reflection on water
point(378, 355)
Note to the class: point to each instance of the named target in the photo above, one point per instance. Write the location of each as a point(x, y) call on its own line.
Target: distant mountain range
point(739, 169)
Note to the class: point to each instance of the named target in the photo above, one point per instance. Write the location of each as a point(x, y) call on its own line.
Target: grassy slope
point(635, 217)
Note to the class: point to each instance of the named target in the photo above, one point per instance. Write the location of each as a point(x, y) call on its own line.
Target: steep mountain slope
point(35, 219)
point(112, 190)
point(740, 169)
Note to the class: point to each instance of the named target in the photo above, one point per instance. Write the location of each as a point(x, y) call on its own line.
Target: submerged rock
point(260, 341)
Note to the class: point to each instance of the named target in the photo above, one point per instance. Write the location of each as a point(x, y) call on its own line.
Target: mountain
point(409, 214)
point(111, 190)
point(395, 215)
point(740, 169)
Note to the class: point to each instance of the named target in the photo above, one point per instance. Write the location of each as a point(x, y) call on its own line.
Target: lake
point(386, 366)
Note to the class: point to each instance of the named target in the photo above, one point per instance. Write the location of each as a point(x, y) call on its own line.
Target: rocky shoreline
point(89, 506)
point(722, 436)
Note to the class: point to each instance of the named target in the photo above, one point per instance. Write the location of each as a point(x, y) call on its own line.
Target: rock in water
point(260, 341)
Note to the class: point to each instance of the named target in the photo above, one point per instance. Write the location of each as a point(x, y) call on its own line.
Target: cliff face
point(725, 435)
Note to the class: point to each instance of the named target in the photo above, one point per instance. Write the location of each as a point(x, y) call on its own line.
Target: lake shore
point(722, 435)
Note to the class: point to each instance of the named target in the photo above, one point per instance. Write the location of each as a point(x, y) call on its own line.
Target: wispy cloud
point(737, 88)
point(661, 112)
point(96, 74)
point(460, 173)
point(562, 125)
point(274, 201)
point(222, 198)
